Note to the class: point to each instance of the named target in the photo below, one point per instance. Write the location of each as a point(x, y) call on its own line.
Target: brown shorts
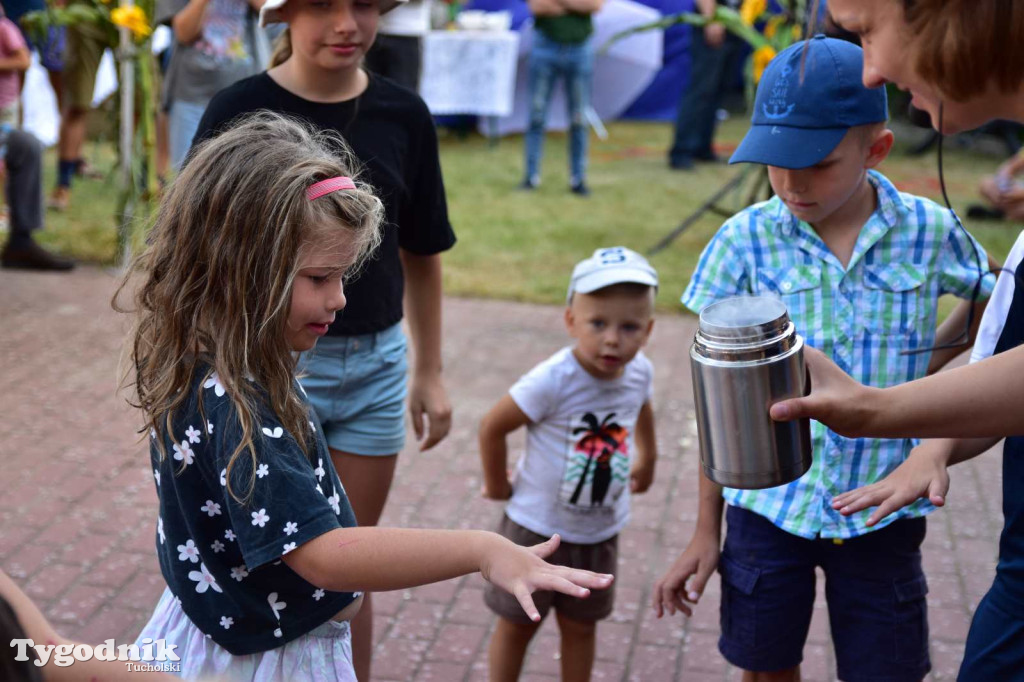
point(601, 557)
point(84, 50)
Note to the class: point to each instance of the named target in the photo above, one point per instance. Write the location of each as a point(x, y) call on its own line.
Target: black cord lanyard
point(964, 338)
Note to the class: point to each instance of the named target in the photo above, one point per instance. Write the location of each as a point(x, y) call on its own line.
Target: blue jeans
point(712, 71)
point(549, 61)
point(182, 123)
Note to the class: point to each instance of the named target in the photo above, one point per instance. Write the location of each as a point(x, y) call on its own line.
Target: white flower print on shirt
point(276, 606)
point(160, 529)
point(188, 552)
point(262, 470)
point(230, 534)
point(320, 490)
point(204, 580)
point(239, 572)
point(226, 622)
point(278, 633)
point(217, 546)
point(211, 508)
point(214, 382)
point(224, 477)
point(152, 433)
point(288, 547)
point(333, 500)
point(312, 425)
point(192, 433)
point(209, 426)
point(260, 518)
point(156, 475)
point(319, 594)
point(184, 452)
point(319, 471)
point(291, 527)
point(277, 432)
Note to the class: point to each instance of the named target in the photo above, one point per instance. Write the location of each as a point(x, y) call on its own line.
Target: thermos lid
point(744, 328)
point(744, 317)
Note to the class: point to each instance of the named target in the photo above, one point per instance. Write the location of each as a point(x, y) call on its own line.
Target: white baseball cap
point(615, 265)
point(270, 12)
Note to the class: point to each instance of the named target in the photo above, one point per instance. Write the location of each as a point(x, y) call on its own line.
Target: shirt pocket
point(891, 302)
point(799, 287)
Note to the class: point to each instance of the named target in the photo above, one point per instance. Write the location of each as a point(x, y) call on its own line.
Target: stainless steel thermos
point(746, 356)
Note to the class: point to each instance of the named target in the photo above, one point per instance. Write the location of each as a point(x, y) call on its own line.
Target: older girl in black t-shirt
point(357, 378)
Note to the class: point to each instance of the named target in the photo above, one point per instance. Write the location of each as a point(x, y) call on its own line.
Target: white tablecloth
point(469, 72)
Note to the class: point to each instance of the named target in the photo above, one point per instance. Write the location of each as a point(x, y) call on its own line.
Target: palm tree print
point(599, 441)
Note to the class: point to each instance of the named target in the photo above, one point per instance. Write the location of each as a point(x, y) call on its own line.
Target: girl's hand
point(923, 474)
point(503, 493)
point(427, 398)
point(522, 571)
point(698, 561)
point(835, 400)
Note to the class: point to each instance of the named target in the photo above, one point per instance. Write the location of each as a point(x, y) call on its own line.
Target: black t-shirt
point(222, 559)
point(392, 134)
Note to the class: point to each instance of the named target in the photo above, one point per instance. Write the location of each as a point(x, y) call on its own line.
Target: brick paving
point(77, 503)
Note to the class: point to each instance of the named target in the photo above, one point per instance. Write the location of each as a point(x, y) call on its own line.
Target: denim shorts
point(875, 589)
point(357, 385)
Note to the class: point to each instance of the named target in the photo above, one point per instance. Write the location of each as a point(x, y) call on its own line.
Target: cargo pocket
point(911, 620)
point(739, 605)
point(890, 303)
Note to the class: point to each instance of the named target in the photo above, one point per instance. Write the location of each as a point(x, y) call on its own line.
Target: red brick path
point(77, 503)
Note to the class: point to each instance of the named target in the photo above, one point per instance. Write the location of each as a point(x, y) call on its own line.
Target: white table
point(470, 72)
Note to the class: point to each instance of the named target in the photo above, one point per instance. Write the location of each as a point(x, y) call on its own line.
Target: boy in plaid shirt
point(860, 266)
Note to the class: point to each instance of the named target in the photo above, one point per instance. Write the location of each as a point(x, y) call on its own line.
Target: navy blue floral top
point(222, 559)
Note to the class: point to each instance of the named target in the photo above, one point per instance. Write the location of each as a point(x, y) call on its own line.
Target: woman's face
point(332, 34)
point(890, 57)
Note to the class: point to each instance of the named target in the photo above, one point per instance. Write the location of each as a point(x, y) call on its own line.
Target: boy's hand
point(699, 560)
point(641, 477)
point(923, 474)
point(501, 493)
point(522, 571)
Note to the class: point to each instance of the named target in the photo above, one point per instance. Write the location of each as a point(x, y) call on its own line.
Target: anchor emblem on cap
point(777, 113)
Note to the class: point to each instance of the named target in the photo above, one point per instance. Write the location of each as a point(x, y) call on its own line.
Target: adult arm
point(188, 23)
point(981, 399)
point(19, 60)
point(422, 304)
point(582, 6)
point(547, 8)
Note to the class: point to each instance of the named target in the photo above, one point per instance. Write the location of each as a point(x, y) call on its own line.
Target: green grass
point(522, 245)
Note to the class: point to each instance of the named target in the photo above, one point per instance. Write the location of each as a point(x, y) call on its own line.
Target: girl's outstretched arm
point(981, 399)
point(381, 559)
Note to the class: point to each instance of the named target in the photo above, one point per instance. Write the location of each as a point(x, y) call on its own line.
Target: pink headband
point(319, 189)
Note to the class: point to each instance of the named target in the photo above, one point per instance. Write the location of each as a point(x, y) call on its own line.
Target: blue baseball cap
point(798, 121)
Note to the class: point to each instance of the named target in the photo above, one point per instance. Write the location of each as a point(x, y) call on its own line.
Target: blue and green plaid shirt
point(862, 316)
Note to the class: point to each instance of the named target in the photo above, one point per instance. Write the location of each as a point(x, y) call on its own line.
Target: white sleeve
point(994, 319)
point(536, 392)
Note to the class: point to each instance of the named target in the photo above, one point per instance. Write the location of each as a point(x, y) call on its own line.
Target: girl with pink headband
point(247, 265)
point(358, 379)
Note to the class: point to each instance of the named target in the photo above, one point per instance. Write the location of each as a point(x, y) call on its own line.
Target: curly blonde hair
point(212, 288)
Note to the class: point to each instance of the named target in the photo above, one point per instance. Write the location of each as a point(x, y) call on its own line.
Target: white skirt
point(322, 655)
